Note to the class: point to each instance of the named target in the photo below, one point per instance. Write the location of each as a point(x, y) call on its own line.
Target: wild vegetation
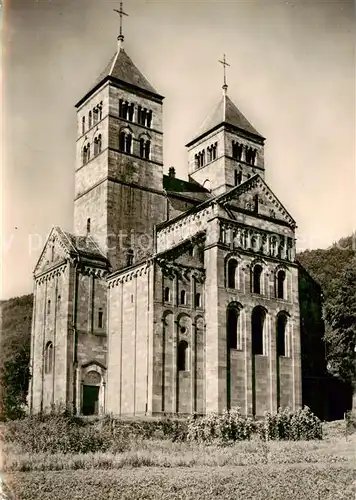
point(16, 317)
point(335, 270)
point(149, 459)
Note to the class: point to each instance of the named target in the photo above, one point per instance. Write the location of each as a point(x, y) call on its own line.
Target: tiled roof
point(85, 246)
point(121, 67)
point(188, 189)
point(226, 112)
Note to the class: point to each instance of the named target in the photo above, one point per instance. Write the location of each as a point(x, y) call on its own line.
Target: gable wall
point(237, 377)
point(50, 325)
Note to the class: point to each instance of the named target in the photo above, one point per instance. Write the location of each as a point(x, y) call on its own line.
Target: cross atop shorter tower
point(224, 63)
point(121, 13)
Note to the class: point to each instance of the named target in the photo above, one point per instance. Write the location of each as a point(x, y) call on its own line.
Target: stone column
point(174, 367)
point(248, 361)
point(79, 392)
point(102, 398)
point(273, 361)
point(193, 367)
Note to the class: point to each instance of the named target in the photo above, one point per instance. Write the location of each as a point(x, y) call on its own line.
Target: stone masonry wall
point(130, 349)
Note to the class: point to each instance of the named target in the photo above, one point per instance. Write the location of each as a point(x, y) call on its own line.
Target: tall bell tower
point(119, 161)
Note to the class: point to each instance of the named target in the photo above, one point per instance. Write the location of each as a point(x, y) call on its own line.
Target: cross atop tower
point(224, 63)
point(121, 13)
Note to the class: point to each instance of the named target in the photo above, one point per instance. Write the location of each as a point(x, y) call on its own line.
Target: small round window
point(183, 329)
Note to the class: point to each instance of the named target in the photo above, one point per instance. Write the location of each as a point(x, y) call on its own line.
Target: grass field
point(292, 482)
point(150, 469)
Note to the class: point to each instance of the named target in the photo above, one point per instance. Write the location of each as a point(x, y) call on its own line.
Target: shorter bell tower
point(227, 149)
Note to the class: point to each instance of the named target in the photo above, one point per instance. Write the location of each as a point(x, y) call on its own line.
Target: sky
point(292, 73)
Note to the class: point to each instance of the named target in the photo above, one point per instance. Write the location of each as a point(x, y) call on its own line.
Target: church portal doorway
point(91, 393)
point(90, 400)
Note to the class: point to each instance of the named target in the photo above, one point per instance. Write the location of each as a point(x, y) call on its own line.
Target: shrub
point(60, 432)
point(230, 426)
point(300, 425)
point(350, 417)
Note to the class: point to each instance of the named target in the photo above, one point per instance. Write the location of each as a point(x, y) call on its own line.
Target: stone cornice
point(51, 273)
point(181, 271)
point(130, 274)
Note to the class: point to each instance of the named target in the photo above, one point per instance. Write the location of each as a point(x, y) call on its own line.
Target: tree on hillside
point(324, 265)
point(16, 317)
point(340, 336)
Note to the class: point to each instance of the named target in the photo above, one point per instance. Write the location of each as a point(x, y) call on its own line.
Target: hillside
point(325, 265)
point(16, 317)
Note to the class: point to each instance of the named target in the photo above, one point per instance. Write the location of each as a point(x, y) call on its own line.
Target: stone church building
point(170, 296)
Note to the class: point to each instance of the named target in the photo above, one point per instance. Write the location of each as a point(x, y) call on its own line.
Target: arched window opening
point(167, 294)
point(231, 273)
point(125, 142)
point(90, 119)
point(140, 116)
point(83, 124)
point(149, 119)
point(237, 150)
point(123, 109)
point(147, 150)
point(52, 252)
point(130, 113)
point(86, 153)
point(182, 358)
point(97, 145)
point(100, 318)
point(257, 272)
point(48, 307)
point(122, 141)
point(197, 300)
point(238, 177)
point(101, 110)
point(130, 257)
point(128, 143)
point(142, 147)
point(88, 225)
point(95, 115)
point(258, 319)
point(183, 297)
point(232, 327)
point(48, 357)
point(214, 151)
point(281, 276)
point(255, 203)
point(281, 334)
point(253, 156)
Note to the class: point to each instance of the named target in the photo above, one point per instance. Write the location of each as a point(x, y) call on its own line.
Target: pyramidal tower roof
point(225, 113)
point(121, 69)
